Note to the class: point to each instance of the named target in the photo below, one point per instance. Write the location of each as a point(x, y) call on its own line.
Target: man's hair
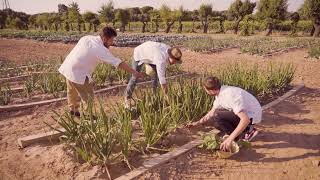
point(108, 32)
point(212, 83)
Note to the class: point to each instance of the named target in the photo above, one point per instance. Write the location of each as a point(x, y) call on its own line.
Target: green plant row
point(103, 137)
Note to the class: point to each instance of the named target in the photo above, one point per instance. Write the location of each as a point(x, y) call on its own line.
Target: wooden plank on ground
point(28, 140)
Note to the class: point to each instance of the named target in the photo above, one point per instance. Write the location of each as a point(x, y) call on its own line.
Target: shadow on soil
point(282, 140)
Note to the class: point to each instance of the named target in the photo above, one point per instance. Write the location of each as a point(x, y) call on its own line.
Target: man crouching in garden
point(82, 61)
point(234, 112)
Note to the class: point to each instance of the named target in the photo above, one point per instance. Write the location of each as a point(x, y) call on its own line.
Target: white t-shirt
point(236, 99)
point(84, 57)
point(153, 53)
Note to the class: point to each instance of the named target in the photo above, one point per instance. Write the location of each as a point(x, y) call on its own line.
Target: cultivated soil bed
point(288, 145)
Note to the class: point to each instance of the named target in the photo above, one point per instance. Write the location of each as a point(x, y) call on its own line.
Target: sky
point(38, 6)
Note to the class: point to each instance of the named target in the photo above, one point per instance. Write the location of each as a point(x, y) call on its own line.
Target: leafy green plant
point(93, 136)
point(30, 84)
point(5, 94)
point(314, 52)
point(211, 142)
point(101, 74)
point(257, 81)
point(52, 83)
point(123, 118)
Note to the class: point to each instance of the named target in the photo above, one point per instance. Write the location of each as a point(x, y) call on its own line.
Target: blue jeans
point(133, 80)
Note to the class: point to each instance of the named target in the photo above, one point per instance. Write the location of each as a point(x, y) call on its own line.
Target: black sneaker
point(73, 113)
point(251, 134)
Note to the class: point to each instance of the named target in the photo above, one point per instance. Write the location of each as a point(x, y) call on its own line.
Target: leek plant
point(5, 94)
point(52, 83)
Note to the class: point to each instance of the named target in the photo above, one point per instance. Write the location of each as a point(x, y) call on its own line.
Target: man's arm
point(204, 119)
point(164, 88)
point(105, 55)
point(244, 122)
point(125, 67)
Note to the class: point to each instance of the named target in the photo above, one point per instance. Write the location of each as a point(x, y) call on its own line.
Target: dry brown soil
point(287, 147)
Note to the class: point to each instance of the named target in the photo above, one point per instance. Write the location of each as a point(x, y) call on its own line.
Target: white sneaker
point(127, 103)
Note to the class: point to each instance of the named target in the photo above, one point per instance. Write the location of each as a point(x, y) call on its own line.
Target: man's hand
point(193, 124)
point(226, 145)
point(139, 74)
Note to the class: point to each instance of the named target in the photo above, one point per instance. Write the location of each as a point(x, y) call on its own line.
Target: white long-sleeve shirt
point(153, 53)
point(236, 99)
point(84, 57)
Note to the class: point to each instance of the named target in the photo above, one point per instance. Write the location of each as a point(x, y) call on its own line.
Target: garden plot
point(253, 46)
point(112, 142)
point(122, 40)
point(37, 86)
point(52, 161)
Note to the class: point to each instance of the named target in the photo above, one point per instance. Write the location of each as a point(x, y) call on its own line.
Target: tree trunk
point(67, 26)
point(143, 27)
point(316, 30)
point(316, 26)
point(79, 27)
point(312, 31)
point(221, 27)
point(129, 26)
point(269, 29)
point(169, 26)
point(180, 27)
point(90, 26)
point(84, 27)
point(94, 28)
point(193, 26)
point(157, 26)
point(123, 28)
point(56, 27)
point(205, 27)
point(236, 26)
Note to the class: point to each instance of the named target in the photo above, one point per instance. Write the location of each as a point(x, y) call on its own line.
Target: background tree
point(74, 14)
point(238, 10)
point(42, 21)
point(245, 29)
point(107, 13)
point(295, 18)
point(272, 11)
point(144, 16)
point(180, 14)
point(194, 17)
point(32, 21)
point(96, 22)
point(311, 9)
point(204, 15)
point(155, 19)
point(167, 16)
point(134, 15)
point(123, 16)
point(88, 17)
point(63, 13)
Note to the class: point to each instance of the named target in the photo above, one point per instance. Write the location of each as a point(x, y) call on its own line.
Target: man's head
point(212, 85)
point(175, 55)
point(107, 35)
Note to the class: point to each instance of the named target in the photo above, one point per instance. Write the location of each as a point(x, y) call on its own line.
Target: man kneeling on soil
point(158, 56)
point(81, 62)
point(234, 112)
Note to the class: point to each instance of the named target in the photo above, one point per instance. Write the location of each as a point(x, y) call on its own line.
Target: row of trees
point(271, 12)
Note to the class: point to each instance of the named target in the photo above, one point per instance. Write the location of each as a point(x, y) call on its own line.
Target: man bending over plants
point(234, 112)
point(158, 56)
point(81, 62)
